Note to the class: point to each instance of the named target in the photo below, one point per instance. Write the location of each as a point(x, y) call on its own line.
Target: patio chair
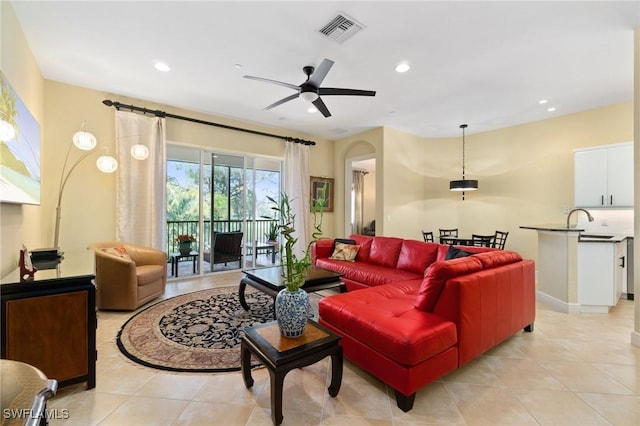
point(227, 247)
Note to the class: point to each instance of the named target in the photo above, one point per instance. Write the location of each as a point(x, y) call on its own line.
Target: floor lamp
point(84, 141)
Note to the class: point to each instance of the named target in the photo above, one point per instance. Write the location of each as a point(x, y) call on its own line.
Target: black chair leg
point(405, 402)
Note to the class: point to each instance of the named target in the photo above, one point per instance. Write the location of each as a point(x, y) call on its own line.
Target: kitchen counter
point(562, 280)
point(553, 227)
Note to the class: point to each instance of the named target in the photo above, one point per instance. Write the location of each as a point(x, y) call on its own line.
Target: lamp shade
point(7, 132)
point(107, 164)
point(84, 140)
point(463, 185)
point(139, 152)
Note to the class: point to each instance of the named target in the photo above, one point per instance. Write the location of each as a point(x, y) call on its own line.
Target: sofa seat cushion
point(373, 275)
point(385, 319)
point(147, 274)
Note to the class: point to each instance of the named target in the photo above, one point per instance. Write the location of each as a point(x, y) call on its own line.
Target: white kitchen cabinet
point(601, 275)
point(604, 176)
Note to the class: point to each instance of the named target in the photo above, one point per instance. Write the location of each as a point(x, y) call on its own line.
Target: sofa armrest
point(321, 249)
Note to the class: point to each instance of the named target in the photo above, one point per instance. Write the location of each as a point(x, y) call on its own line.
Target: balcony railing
point(190, 227)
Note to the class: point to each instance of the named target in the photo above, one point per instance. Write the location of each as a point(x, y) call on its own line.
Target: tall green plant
point(293, 268)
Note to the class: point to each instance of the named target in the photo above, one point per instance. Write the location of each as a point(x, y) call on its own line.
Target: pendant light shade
point(463, 184)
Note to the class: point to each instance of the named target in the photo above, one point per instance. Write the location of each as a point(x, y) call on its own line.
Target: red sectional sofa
point(416, 316)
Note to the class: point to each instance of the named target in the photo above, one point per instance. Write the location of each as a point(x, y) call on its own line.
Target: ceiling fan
point(311, 91)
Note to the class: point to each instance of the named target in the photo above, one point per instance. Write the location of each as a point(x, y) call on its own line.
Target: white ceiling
point(482, 63)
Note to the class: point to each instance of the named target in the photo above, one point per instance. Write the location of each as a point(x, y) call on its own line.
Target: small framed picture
point(317, 185)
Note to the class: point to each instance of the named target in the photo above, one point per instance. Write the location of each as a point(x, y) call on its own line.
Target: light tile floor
point(572, 370)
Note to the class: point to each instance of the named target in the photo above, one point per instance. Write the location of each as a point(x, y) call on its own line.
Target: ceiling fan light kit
point(310, 90)
point(463, 184)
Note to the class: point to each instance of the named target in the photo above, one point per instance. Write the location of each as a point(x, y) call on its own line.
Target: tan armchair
point(128, 275)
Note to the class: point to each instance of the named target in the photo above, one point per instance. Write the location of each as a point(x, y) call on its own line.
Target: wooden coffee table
point(282, 354)
point(270, 281)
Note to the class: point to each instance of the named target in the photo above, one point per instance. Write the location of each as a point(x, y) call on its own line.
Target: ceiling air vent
point(341, 28)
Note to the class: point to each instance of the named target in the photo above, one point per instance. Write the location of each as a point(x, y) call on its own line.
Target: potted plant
point(184, 243)
point(292, 302)
point(272, 233)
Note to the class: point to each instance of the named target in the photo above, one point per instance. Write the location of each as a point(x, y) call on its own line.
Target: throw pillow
point(117, 251)
point(456, 253)
point(346, 252)
point(343, 241)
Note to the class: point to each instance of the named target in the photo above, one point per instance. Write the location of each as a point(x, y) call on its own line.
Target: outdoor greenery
point(183, 191)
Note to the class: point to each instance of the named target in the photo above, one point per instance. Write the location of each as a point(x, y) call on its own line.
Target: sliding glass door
point(221, 199)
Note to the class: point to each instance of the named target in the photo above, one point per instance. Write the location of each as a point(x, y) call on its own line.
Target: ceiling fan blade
point(321, 72)
point(325, 91)
point(321, 107)
point(280, 83)
point(281, 101)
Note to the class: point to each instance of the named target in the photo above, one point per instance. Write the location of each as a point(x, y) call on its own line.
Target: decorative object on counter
point(464, 184)
point(27, 270)
point(292, 302)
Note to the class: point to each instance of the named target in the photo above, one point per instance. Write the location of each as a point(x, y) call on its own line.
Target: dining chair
point(483, 240)
point(428, 236)
point(449, 232)
point(500, 239)
point(450, 241)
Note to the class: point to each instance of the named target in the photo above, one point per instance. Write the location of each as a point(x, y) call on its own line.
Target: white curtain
point(296, 185)
point(358, 205)
point(141, 189)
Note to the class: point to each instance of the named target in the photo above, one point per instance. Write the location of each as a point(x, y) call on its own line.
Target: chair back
point(483, 240)
point(428, 237)
point(227, 246)
point(449, 232)
point(500, 239)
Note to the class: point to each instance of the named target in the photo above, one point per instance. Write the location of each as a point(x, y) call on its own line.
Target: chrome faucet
point(575, 210)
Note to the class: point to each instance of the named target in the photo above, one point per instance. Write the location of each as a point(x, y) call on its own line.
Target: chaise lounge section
point(409, 328)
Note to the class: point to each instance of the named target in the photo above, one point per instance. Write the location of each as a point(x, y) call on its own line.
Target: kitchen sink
point(600, 237)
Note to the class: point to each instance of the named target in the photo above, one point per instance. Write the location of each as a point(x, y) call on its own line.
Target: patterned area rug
point(194, 332)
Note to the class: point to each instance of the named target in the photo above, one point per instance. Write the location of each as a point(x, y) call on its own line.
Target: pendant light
point(464, 184)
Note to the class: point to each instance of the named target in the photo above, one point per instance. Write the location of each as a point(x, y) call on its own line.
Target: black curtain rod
point(158, 113)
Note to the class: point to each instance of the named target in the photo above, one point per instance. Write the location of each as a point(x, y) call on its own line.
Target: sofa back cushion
point(385, 251)
point(497, 258)
point(437, 274)
point(415, 256)
point(364, 241)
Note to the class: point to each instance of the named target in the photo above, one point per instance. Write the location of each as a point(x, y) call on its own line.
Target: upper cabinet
point(604, 176)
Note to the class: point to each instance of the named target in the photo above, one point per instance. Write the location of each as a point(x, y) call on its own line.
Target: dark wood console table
point(50, 322)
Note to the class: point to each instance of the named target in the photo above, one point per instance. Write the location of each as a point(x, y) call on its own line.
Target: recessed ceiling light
point(542, 101)
point(402, 67)
point(161, 66)
point(312, 109)
point(237, 66)
point(551, 109)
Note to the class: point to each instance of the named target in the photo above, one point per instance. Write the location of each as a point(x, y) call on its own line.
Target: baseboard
point(557, 304)
point(635, 338)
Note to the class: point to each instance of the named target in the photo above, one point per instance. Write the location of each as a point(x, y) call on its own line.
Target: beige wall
point(525, 175)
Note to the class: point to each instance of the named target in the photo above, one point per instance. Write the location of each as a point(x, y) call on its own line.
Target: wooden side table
point(281, 355)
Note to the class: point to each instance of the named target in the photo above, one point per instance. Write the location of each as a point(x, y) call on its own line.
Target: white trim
point(635, 338)
point(557, 304)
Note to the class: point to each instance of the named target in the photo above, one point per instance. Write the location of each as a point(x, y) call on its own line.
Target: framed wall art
point(317, 184)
